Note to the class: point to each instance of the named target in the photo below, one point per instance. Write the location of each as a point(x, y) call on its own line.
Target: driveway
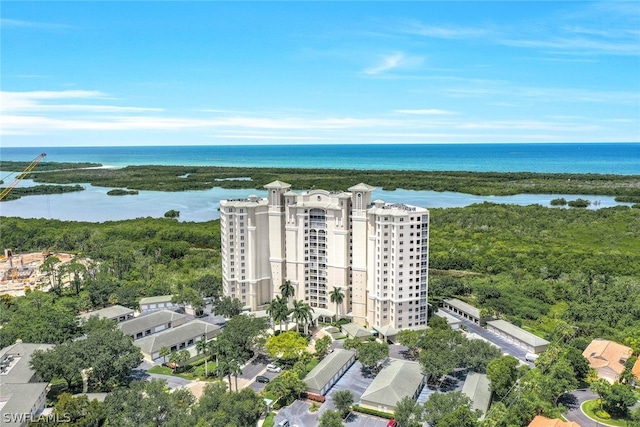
point(573, 401)
point(505, 346)
point(352, 380)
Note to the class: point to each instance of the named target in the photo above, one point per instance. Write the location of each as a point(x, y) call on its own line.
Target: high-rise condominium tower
point(376, 253)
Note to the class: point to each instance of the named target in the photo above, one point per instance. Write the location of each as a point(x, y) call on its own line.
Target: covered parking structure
point(464, 310)
point(329, 370)
point(532, 343)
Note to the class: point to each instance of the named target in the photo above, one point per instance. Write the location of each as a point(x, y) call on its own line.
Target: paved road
point(573, 401)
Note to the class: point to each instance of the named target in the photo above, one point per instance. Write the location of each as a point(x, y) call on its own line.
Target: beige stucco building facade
point(376, 252)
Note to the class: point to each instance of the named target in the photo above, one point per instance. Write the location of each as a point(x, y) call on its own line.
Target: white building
point(377, 253)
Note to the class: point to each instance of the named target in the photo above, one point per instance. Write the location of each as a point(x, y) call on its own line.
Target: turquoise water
point(94, 205)
point(615, 158)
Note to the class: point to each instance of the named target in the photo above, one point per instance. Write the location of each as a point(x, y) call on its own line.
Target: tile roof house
point(540, 421)
point(607, 358)
point(636, 371)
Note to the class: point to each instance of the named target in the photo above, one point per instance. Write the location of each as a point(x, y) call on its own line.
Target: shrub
point(558, 202)
point(314, 407)
point(314, 397)
point(368, 411)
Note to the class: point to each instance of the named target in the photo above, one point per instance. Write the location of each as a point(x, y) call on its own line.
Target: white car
point(273, 368)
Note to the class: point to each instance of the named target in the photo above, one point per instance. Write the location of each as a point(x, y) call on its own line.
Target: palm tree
point(228, 367)
point(164, 352)
point(278, 310)
point(287, 290)
point(337, 296)
point(301, 312)
point(202, 346)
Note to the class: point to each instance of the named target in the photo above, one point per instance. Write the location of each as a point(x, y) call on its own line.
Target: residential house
point(540, 421)
point(607, 358)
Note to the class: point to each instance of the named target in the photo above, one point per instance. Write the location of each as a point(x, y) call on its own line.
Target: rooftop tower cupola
point(361, 198)
point(276, 191)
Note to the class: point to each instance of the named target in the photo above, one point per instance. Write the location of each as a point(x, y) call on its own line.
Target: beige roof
point(519, 333)
point(156, 299)
point(540, 421)
point(112, 312)
point(278, 184)
point(386, 330)
point(397, 379)
point(606, 355)
point(356, 331)
point(463, 306)
point(361, 187)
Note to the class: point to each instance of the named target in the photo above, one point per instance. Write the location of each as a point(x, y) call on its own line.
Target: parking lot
point(352, 380)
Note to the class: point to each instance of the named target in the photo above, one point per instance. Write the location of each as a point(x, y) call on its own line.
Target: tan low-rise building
point(152, 323)
point(396, 380)
point(117, 313)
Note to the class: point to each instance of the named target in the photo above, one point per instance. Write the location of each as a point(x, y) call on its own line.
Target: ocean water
point(615, 158)
point(94, 205)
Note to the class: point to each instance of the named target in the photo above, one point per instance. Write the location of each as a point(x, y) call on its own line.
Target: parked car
point(273, 368)
point(392, 423)
point(262, 379)
point(283, 423)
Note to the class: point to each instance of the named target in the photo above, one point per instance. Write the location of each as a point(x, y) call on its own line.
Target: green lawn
point(590, 406)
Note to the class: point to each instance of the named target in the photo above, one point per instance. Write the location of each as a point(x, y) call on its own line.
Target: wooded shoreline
point(185, 178)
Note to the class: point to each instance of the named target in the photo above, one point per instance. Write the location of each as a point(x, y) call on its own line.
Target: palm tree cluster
point(279, 309)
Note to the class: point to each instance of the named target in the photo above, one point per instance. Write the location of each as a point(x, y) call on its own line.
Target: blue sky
point(173, 73)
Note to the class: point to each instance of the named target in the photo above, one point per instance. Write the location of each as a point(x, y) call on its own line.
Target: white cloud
point(426, 112)
point(17, 23)
point(445, 32)
point(393, 61)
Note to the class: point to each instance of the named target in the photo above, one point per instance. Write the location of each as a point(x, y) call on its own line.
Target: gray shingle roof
point(20, 399)
point(521, 334)
point(328, 367)
point(112, 312)
point(149, 321)
point(192, 330)
point(396, 380)
point(19, 370)
point(478, 388)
